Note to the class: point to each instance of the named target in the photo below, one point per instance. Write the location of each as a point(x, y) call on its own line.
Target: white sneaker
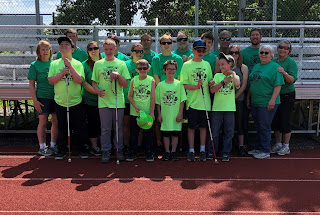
point(261, 155)
point(284, 151)
point(253, 152)
point(275, 148)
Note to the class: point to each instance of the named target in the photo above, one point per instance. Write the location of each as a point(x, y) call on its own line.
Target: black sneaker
point(191, 156)
point(202, 156)
point(242, 152)
point(225, 158)
point(210, 156)
point(166, 156)
point(105, 157)
point(60, 155)
point(174, 156)
point(131, 157)
point(149, 157)
point(83, 155)
point(95, 151)
point(121, 156)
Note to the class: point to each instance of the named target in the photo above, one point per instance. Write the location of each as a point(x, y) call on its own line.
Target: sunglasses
point(163, 43)
point(236, 52)
point(201, 50)
point(142, 68)
point(182, 39)
point(266, 53)
point(283, 47)
point(225, 38)
point(137, 51)
point(93, 48)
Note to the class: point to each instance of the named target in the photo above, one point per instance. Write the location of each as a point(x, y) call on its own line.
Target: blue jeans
point(262, 120)
point(217, 117)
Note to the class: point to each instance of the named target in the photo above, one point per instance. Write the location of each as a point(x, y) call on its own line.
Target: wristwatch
point(222, 82)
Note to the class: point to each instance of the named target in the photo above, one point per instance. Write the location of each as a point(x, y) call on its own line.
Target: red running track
point(30, 184)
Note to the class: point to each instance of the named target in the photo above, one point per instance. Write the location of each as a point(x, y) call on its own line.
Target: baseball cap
point(114, 37)
point(199, 43)
point(61, 39)
point(228, 57)
point(144, 120)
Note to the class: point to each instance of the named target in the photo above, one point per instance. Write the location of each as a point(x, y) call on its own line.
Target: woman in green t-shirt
point(42, 97)
point(90, 98)
point(263, 97)
point(281, 122)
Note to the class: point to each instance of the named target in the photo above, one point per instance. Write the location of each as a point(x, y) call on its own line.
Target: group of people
point(145, 96)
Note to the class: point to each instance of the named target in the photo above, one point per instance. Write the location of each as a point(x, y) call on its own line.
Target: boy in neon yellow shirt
point(106, 73)
point(68, 67)
point(224, 104)
point(170, 97)
point(142, 97)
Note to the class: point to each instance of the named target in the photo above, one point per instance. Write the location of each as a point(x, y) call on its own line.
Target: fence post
point(37, 6)
point(157, 36)
point(242, 9)
point(274, 16)
point(118, 15)
point(95, 34)
point(215, 37)
point(301, 39)
point(196, 20)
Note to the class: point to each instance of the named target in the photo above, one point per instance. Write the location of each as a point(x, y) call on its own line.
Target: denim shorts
point(49, 106)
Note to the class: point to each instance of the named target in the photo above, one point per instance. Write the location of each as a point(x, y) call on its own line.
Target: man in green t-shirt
point(146, 42)
point(196, 75)
point(110, 76)
point(208, 56)
point(118, 54)
point(183, 49)
point(224, 41)
point(67, 67)
point(77, 53)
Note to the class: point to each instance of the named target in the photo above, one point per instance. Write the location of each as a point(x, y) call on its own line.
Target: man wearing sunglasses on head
point(183, 49)
point(224, 42)
point(118, 54)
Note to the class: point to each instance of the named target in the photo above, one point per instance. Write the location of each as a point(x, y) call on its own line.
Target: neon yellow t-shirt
point(101, 75)
point(224, 98)
point(141, 94)
point(191, 72)
point(169, 97)
point(60, 90)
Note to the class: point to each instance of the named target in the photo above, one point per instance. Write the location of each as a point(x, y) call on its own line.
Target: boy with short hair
point(142, 98)
point(170, 97)
point(118, 54)
point(224, 105)
point(107, 73)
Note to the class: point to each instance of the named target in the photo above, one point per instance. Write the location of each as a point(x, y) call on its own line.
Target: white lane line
point(161, 179)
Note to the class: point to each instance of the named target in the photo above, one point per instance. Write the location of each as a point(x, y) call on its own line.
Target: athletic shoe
point(45, 151)
point(54, 149)
point(174, 156)
point(149, 157)
point(210, 156)
point(225, 158)
point(191, 156)
point(121, 157)
point(261, 155)
point(60, 155)
point(131, 157)
point(275, 148)
point(284, 151)
point(242, 152)
point(202, 156)
point(105, 158)
point(166, 156)
point(253, 152)
point(83, 155)
point(95, 151)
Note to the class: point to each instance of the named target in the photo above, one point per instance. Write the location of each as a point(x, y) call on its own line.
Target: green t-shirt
point(119, 56)
point(39, 72)
point(262, 81)
point(159, 60)
point(88, 98)
point(289, 66)
point(216, 52)
point(250, 57)
point(187, 53)
point(150, 56)
point(224, 98)
point(101, 75)
point(210, 58)
point(169, 97)
point(141, 94)
point(77, 54)
point(191, 72)
point(60, 89)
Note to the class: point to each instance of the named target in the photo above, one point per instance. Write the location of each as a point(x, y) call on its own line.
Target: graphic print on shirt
point(107, 72)
point(227, 88)
point(141, 91)
point(69, 76)
point(255, 77)
point(199, 73)
point(169, 98)
point(254, 60)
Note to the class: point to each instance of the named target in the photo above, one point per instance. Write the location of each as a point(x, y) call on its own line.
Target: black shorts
point(171, 133)
point(197, 119)
point(49, 106)
point(127, 109)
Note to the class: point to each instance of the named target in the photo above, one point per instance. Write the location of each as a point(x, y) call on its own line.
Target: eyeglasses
point(225, 38)
point(146, 40)
point(137, 51)
point(163, 43)
point(93, 48)
point(142, 68)
point(266, 53)
point(236, 52)
point(283, 47)
point(170, 69)
point(182, 39)
point(201, 50)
